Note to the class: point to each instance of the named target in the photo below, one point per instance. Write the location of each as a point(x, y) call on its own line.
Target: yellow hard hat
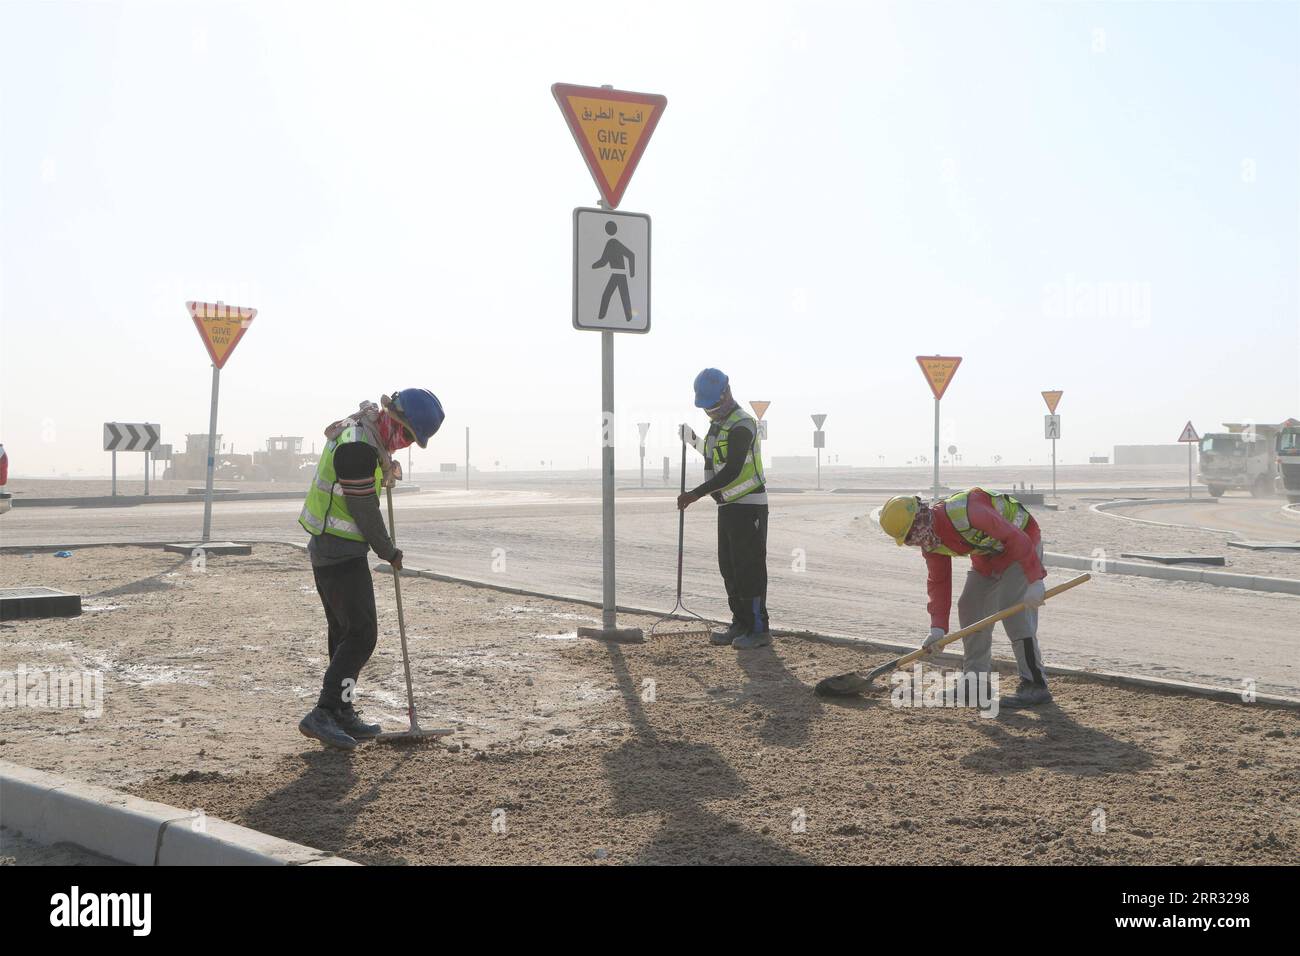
point(897, 515)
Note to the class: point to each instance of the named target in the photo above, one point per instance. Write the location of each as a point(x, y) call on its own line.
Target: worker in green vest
point(342, 516)
point(1005, 547)
point(733, 472)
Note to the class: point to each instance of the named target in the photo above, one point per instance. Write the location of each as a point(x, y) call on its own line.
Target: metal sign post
point(643, 427)
point(611, 270)
point(1189, 436)
point(130, 436)
point(1052, 426)
point(819, 442)
point(467, 458)
point(221, 327)
point(938, 371)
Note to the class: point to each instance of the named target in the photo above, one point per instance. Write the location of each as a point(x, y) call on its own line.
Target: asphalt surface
point(830, 570)
point(1255, 519)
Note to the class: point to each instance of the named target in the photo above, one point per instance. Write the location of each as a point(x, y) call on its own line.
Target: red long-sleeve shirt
point(1017, 547)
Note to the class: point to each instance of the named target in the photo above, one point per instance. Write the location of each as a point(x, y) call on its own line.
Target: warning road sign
point(221, 326)
point(1189, 434)
point(1052, 399)
point(938, 371)
point(612, 128)
point(611, 270)
point(130, 436)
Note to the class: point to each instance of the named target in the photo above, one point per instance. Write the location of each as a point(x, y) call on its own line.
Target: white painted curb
point(1223, 579)
point(50, 809)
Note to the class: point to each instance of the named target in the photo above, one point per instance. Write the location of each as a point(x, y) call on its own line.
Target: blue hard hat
point(709, 386)
point(421, 410)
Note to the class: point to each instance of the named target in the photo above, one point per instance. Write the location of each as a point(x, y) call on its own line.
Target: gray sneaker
point(1028, 694)
point(747, 642)
point(320, 723)
point(722, 638)
point(351, 724)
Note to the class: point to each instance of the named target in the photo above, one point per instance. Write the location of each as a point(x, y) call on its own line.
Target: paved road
point(830, 571)
point(1259, 519)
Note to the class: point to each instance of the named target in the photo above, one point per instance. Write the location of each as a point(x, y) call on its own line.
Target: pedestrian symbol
point(611, 270)
point(621, 263)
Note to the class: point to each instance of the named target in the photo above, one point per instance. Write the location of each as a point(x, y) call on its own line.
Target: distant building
point(793, 463)
point(1153, 454)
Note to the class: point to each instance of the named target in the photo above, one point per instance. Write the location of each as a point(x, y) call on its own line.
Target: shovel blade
point(842, 685)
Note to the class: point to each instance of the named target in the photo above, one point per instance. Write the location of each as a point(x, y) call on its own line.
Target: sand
point(569, 751)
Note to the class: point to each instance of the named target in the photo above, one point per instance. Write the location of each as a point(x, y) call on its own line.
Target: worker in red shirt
point(1005, 548)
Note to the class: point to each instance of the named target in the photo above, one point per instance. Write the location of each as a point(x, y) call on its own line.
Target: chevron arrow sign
point(124, 436)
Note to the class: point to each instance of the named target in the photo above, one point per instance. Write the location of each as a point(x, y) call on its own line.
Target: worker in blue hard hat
point(342, 516)
point(733, 476)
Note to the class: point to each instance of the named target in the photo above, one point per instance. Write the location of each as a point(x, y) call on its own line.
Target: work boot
point(722, 638)
point(747, 642)
point(1028, 694)
point(351, 723)
point(322, 725)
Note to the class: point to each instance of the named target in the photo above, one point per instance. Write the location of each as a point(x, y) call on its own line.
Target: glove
point(688, 434)
point(396, 559)
point(936, 634)
point(1035, 594)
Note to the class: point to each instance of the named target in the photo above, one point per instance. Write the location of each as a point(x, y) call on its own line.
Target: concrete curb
point(1223, 579)
point(1102, 677)
point(52, 809)
point(1291, 511)
point(128, 501)
point(77, 546)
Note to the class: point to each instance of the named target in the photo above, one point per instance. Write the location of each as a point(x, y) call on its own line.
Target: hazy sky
point(1095, 197)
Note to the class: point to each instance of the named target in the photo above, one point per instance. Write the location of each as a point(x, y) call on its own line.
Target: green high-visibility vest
point(326, 509)
point(750, 478)
point(955, 507)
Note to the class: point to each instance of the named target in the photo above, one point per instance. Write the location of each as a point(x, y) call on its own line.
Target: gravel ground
point(567, 750)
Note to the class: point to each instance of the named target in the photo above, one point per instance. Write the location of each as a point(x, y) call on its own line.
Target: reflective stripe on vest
point(955, 507)
point(750, 478)
point(325, 512)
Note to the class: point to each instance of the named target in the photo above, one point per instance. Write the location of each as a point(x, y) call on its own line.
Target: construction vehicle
point(1287, 446)
point(282, 460)
point(1243, 458)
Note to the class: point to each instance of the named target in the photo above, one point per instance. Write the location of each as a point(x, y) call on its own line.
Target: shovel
point(855, 682)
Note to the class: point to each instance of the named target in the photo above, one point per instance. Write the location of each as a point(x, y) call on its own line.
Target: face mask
point(393, 434)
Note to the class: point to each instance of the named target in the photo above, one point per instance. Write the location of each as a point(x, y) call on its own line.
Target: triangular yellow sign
point(939, 370)
point(759, 408)
point(221, 326)
point(1052, 399)
point(612, 128)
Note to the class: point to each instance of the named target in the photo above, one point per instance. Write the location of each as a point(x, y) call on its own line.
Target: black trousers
point(348, 594)
point(742, 559)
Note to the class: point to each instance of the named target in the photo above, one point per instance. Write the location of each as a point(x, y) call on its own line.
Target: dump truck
point(1287, 446)
point(1243, 458)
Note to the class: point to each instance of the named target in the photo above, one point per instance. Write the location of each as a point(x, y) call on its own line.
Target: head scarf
point(384, 433)
point(922, 534)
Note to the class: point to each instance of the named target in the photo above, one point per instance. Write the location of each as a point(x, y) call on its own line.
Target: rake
point(680, 609)
point(414, 733)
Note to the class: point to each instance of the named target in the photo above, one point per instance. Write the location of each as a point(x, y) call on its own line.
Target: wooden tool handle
point(982, 624)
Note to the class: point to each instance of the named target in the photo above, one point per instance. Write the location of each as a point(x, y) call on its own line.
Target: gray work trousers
point(984, 595)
